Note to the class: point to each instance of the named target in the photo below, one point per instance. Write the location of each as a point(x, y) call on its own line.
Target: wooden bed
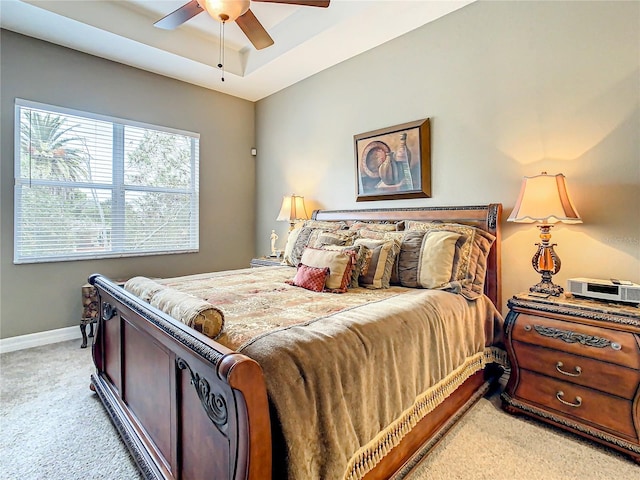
point(190, 408)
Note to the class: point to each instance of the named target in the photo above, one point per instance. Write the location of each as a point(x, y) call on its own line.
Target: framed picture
point(394, 163)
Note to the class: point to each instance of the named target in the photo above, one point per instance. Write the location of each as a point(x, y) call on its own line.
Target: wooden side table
point(266, 262)
point(575, 363)
point(89, 312)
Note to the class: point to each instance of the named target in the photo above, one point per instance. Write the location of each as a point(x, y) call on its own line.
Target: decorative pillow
point(306, 236)
point(361, 255)
point(478, 264)
point(383, 255)
point(381, 235)
point(325, 225)
point(291, 242)
point(311, 278)
point(340, 264)
point(409, 259)
point(470, 261)
point(436, 258)
point(299, 244)
point(378, 227)
point(143, 287)
point(320, 238)
point(377, 235)
point(192, 311)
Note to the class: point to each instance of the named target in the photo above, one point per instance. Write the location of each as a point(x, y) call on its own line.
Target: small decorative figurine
point(274, 237)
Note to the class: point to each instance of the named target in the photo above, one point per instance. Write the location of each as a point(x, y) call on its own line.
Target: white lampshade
point(225, 10)
point(292, 209)
point(544, 199)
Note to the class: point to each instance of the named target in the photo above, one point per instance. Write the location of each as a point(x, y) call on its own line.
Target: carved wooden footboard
point(185, 406)
point(190, 408)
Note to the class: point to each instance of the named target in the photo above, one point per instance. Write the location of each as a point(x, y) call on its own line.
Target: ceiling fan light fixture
point(225, 10)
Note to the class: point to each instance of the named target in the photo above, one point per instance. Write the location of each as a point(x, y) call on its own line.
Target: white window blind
point(90, 186)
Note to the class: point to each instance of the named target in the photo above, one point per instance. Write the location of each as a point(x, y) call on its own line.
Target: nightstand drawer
point(602, 410)
point(607, 377)
point(603, 344)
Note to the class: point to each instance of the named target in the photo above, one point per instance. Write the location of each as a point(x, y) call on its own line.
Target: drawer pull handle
point(564, 372)
point(616, 346)
point(559, 396)
point(568, 336)
point(527, 328)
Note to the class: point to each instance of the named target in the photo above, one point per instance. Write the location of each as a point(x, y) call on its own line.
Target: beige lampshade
point(544, 199)
point(225, 10)
point(292, 209)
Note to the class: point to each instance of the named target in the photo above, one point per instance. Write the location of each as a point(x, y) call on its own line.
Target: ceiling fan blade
point(179, 16)
point(254, 30)
point(307, 3)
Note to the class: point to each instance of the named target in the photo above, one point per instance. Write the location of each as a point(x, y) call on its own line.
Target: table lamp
point(292, 210)
point(544, 200)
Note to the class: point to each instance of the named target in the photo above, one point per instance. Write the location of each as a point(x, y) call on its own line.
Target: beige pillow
point(360, 264)
point(288, 248)
point(436, 258)
point(340, 264)
point(470, 262)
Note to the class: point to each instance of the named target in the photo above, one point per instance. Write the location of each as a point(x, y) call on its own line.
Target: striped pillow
point(383, 254)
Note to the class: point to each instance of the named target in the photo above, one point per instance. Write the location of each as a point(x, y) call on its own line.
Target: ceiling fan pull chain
point(221, 50)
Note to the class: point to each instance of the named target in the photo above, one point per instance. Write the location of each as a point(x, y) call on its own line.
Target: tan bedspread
point(349, 374)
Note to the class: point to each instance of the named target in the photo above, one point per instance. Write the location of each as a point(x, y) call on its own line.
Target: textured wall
point(512, 89)
point(41, 297)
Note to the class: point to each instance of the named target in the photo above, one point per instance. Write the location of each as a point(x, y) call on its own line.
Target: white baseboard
point(21, 342)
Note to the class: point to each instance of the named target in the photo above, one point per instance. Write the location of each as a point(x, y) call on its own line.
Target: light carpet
point(53, 427)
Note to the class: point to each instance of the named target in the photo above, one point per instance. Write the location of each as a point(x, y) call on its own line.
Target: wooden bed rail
point(175, 395)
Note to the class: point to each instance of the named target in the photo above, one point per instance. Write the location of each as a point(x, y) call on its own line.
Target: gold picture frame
point(394, 162)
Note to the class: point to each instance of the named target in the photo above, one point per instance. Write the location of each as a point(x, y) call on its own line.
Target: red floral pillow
point(311, 278)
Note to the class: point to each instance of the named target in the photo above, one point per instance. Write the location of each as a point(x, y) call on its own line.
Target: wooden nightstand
point(576, 364)
point(266, 262)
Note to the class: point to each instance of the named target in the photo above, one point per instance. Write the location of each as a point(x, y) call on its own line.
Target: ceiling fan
point(231, 10)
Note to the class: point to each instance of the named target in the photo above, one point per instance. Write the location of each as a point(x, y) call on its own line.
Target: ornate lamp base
point(549, 288)
point(547, 263)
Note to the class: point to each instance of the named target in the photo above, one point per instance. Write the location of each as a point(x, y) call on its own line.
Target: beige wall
point(41, 297)
point(512, 89)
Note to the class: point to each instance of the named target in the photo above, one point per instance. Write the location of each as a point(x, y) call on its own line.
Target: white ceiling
point(307, 39)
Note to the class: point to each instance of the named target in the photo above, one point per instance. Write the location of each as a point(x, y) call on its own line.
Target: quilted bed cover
point(348, 375)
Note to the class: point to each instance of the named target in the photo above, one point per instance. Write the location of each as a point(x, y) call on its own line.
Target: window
point(90, 186)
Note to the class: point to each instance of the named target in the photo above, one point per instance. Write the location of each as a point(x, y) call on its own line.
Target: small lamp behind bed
point(292, 210)
point(544, 199)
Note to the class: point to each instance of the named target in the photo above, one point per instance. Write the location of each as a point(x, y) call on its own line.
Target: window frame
point(118, 187)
